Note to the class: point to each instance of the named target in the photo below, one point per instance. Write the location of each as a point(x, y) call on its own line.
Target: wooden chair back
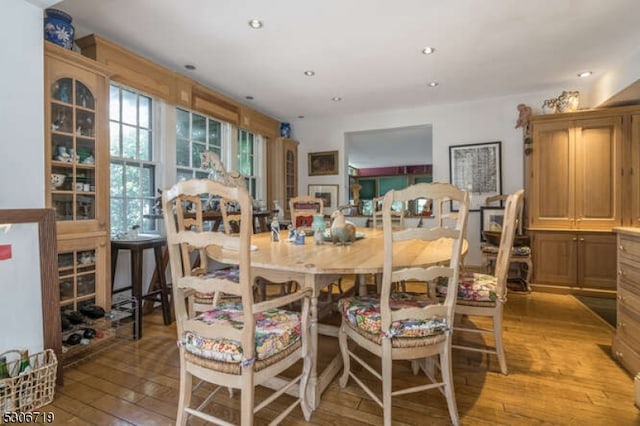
point(500, 200)
point(230, 220)
point(398, 239)
point(303, 208)
point(224, 248)
point(509, 224)
point(191, 204)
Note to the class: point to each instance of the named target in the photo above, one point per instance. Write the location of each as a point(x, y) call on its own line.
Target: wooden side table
point(137, 248)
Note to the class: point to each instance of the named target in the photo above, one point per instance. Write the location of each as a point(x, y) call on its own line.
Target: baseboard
point(582, 291)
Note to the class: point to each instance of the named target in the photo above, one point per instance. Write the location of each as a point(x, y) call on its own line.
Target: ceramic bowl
point(57, 180)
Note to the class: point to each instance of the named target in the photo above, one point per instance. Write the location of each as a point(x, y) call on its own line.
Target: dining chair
point(483, 295)
point(397, 219)
point(231, 219)
point(303, 208)
point(407, 326)
point(521, 251)
point(238, 344)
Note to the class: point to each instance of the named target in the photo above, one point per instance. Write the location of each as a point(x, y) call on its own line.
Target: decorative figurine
point(318, 236)
point(292, 232)
point(275, 229)
point(342, 230)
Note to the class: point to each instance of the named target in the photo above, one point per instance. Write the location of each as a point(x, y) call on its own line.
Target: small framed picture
point(328, 194)
point(491, 219)
point(323, 163)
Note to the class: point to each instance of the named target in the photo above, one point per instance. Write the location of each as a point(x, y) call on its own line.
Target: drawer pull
point(622, 247)
point(619, 354)
point(620, 298)
point(621, 324)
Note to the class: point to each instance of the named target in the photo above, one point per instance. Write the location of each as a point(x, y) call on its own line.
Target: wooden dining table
point(316, 266)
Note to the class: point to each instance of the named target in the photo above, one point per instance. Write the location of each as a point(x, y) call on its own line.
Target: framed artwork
point(328, 194)
point(476, 168)
point(491, 219)
point(323, 163)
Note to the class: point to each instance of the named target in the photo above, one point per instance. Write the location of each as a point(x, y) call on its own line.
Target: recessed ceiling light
point(336, 99)
point(301, 117)
point(428, 50)
point(256, 24)
point(309, 73)
point(432, 84)
point(190, 67)
point(585, 74)
point(249, 97)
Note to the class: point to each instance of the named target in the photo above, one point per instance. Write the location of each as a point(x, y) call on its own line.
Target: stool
point(161, 294)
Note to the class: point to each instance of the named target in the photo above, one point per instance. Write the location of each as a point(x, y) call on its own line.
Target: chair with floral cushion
point(405, 326)
point(239, 343)
point(483, 295)
point(302, 209)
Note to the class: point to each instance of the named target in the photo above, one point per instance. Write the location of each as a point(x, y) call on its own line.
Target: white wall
point(453, 124)
point(21, 172)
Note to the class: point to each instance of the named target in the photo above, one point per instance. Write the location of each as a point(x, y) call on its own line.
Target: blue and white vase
point(58, 28)
point(285, 130)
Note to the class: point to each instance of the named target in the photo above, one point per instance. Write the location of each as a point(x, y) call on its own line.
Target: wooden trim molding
point(45, 218)
point(138, 72)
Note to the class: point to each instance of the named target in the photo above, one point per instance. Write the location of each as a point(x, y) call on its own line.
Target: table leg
point(164, 295)
point(136, 290)
point(313, 396)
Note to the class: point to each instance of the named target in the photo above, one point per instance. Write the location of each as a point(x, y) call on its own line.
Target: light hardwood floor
point(558, 353)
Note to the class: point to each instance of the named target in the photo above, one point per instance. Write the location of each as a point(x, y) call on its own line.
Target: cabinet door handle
point(619, 354)
point(581, 239)
point(620, 298)
point(621, 248)
point(574, 239)
point(103, 244)
point(621, 324)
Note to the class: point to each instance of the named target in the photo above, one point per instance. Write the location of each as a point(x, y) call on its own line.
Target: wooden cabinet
point(577, 260)
point(626, 342)
point(77, 173)
point(576, 174)
point(282, 173)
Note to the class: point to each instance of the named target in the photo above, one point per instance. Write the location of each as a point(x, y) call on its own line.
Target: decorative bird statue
point(342, 230)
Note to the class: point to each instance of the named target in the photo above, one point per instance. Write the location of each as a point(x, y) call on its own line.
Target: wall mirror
point(384, 159)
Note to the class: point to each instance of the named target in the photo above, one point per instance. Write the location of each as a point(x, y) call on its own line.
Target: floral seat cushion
point(472, 286)
point(363, 312)
point(276, 330)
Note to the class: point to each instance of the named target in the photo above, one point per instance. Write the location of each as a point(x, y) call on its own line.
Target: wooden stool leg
point(164, 291)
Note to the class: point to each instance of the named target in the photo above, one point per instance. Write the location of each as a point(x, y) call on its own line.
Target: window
point(247, 163)
point(194, 134)
point(132, 167)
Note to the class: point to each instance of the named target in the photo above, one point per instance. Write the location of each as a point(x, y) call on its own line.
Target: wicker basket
point(27, 392)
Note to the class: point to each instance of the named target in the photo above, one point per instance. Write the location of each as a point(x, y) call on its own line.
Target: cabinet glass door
point(73, 150)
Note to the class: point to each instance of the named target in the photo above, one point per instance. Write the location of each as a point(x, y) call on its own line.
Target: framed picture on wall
point(476, 168)
point(323, 163)
point(328, 194)
point(491, 219)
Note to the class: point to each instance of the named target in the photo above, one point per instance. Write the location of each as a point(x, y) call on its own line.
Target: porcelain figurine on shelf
point(342, 230)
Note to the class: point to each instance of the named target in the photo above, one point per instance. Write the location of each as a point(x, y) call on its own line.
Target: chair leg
point(497, 332)
point(342, 340)
point(304, 381)
point(247, 398)
point(447, 379)
point(186, 384)
point(386, 381)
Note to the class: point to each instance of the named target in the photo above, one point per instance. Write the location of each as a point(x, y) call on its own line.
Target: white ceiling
point(369, 51)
